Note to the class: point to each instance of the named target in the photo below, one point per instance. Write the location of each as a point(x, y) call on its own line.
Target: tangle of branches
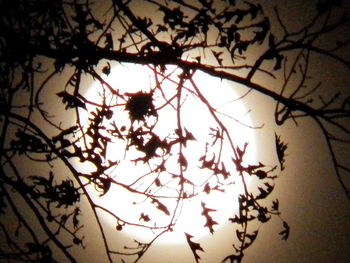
point(58, 137)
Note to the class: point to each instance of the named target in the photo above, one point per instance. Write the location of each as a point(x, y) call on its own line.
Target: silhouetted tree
point(54, 148)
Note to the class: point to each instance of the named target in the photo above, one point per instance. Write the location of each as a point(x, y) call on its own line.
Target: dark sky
point(310, 196)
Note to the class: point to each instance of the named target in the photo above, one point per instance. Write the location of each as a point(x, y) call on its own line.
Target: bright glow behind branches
point(135, 182)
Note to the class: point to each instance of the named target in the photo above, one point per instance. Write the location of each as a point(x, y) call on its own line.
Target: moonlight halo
point(186, 216)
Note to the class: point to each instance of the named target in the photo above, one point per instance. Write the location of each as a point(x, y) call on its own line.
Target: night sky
point(311, 199)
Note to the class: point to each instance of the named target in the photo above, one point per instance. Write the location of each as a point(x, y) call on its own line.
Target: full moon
point(128, 206)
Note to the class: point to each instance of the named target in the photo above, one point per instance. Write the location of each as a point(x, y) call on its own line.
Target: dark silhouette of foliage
point(194, 247)
point(59, 46)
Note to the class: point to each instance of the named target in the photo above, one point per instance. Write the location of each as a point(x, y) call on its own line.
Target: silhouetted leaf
point(262, 216)
point(194, 247)
point(106, 69)
point(207, 188)
point(67, 193)
point(274, 55)
point(242, 151)
point(157, 182)
point(61, 136)
point(207, 164)
point(249, 239)
point(172, 17)
point(151, 146)
point(281, 148)
point(240, 235)
point(241, 219)
point(183, 161)
point(207, 4)
point(161, 206)
point(75, 217)
point(161, 28)
point(217, 56)
point(285, 232)
point(27, 142)
point(144, 217)
point(70, 100)
point(63, 194)
point(221, 169)
point(264, 192)
point(279, 59)
point(104, 184)
point(262, 33)
point(209, 220)
point(275, 205)
point(254, 9)
point(251, 168)
point(109, 45)
point(188, 137)
point(240, 46)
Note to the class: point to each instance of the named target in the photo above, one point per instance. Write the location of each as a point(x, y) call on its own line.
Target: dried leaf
point(71, 100)
point(207, 188)
point(285, 232)
point(249, 239)
point(161, 206)
point(217, 56)
point(75, 217)
point(281, 148)
point(275, 205)
point(183, 161)
point(144, 217)
point(209, 220)
point(194, 247)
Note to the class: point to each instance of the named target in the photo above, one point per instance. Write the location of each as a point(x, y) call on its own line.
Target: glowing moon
point(130, 206)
